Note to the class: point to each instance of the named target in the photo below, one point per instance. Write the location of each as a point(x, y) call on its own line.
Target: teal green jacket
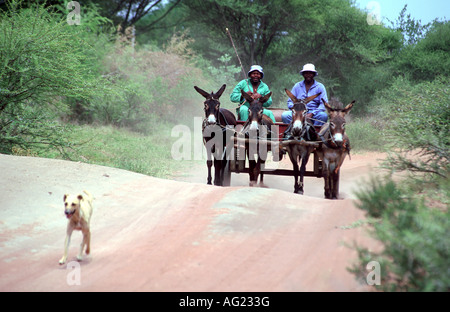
point(236, 96)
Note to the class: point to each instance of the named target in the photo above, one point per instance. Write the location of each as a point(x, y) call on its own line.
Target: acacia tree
point(128, 12)
point(283, 35)
point(255, 25)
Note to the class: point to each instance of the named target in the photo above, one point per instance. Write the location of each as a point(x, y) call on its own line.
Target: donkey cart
point(230, 143)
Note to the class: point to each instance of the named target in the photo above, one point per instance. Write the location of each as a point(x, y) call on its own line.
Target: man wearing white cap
point(256, 88)
point(315, 109)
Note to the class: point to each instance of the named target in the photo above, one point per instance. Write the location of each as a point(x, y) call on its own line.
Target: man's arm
point(324, 96)
point(236, 96)
point(296, 91)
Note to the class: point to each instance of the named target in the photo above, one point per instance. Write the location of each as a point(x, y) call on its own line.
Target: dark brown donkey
point(335, 147)
point(300, 131)
point(258, 126)
point(214, 137)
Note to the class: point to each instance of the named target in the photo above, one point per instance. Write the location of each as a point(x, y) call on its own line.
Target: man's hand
point(256, 96)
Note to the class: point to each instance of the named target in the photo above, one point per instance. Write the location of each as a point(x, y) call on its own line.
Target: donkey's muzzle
point(211, 119)
point(338, 137)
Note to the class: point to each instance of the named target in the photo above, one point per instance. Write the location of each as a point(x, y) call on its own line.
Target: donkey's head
point(212, 104)
point(337, 121)
point(299, 112)
point(255, 112)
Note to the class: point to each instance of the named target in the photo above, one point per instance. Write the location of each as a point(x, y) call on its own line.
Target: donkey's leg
point(332, 180)
point(337, 171)
point(209, 164)
point(218, 172)
point(335, 183)
point(327, 180)
point(251, 172)
point(296, 174)
point(260, 172)
point(262, 157)
point(326, 176)
point(293, 158)
point(305, 158)
point(222, 171)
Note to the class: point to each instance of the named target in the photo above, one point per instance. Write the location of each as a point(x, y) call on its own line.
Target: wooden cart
point(239, 163)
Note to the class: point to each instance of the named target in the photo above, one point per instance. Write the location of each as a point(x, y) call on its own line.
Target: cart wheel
point(226, 174)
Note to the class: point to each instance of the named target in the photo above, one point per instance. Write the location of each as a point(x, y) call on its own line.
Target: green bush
point(364, 134)
point(413, 215)
point(415, 238)
point(146, 86)
point(429, 58)
point(417, 119)
point(119, 148)
point(29, 127)
point(42, 59)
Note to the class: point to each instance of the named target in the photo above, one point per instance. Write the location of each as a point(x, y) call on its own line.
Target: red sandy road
point(150, 234)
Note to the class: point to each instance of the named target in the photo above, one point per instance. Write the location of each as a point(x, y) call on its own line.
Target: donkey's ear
point(291, 96)
point(327, 106)
point(348, 107)
point(202, 92)
point(219, 93)
point(246, 96)
point(266, 97)
point(312, 97)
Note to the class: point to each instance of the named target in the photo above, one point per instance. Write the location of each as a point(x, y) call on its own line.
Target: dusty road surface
point(152, 234)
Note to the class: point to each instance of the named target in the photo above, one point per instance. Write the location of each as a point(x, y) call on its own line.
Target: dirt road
point(152, 234)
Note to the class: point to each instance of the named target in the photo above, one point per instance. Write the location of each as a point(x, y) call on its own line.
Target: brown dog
point(78, 209)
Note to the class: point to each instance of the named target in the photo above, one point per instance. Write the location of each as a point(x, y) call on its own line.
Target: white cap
point(309, 68)
point(257, 68)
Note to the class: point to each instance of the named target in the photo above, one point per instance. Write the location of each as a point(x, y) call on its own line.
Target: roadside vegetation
point(110, 90)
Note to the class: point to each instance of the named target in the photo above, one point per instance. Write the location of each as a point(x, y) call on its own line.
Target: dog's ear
point(80, 197)
point(65, 196)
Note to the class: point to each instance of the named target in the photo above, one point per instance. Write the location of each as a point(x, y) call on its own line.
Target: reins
point(305, 129)
point(325, 141)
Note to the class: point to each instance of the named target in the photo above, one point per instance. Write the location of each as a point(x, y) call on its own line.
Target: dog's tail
point(91, 198)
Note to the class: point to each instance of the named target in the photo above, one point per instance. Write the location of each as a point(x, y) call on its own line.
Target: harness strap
point(224, 118)
point(327, 133)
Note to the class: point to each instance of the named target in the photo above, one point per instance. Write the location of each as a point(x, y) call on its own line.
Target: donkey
point(216, 121)
point(260, 125)
point(335, 147)
point(301, 130)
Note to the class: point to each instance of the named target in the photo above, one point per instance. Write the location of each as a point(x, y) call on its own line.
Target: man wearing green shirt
point(256, 88)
